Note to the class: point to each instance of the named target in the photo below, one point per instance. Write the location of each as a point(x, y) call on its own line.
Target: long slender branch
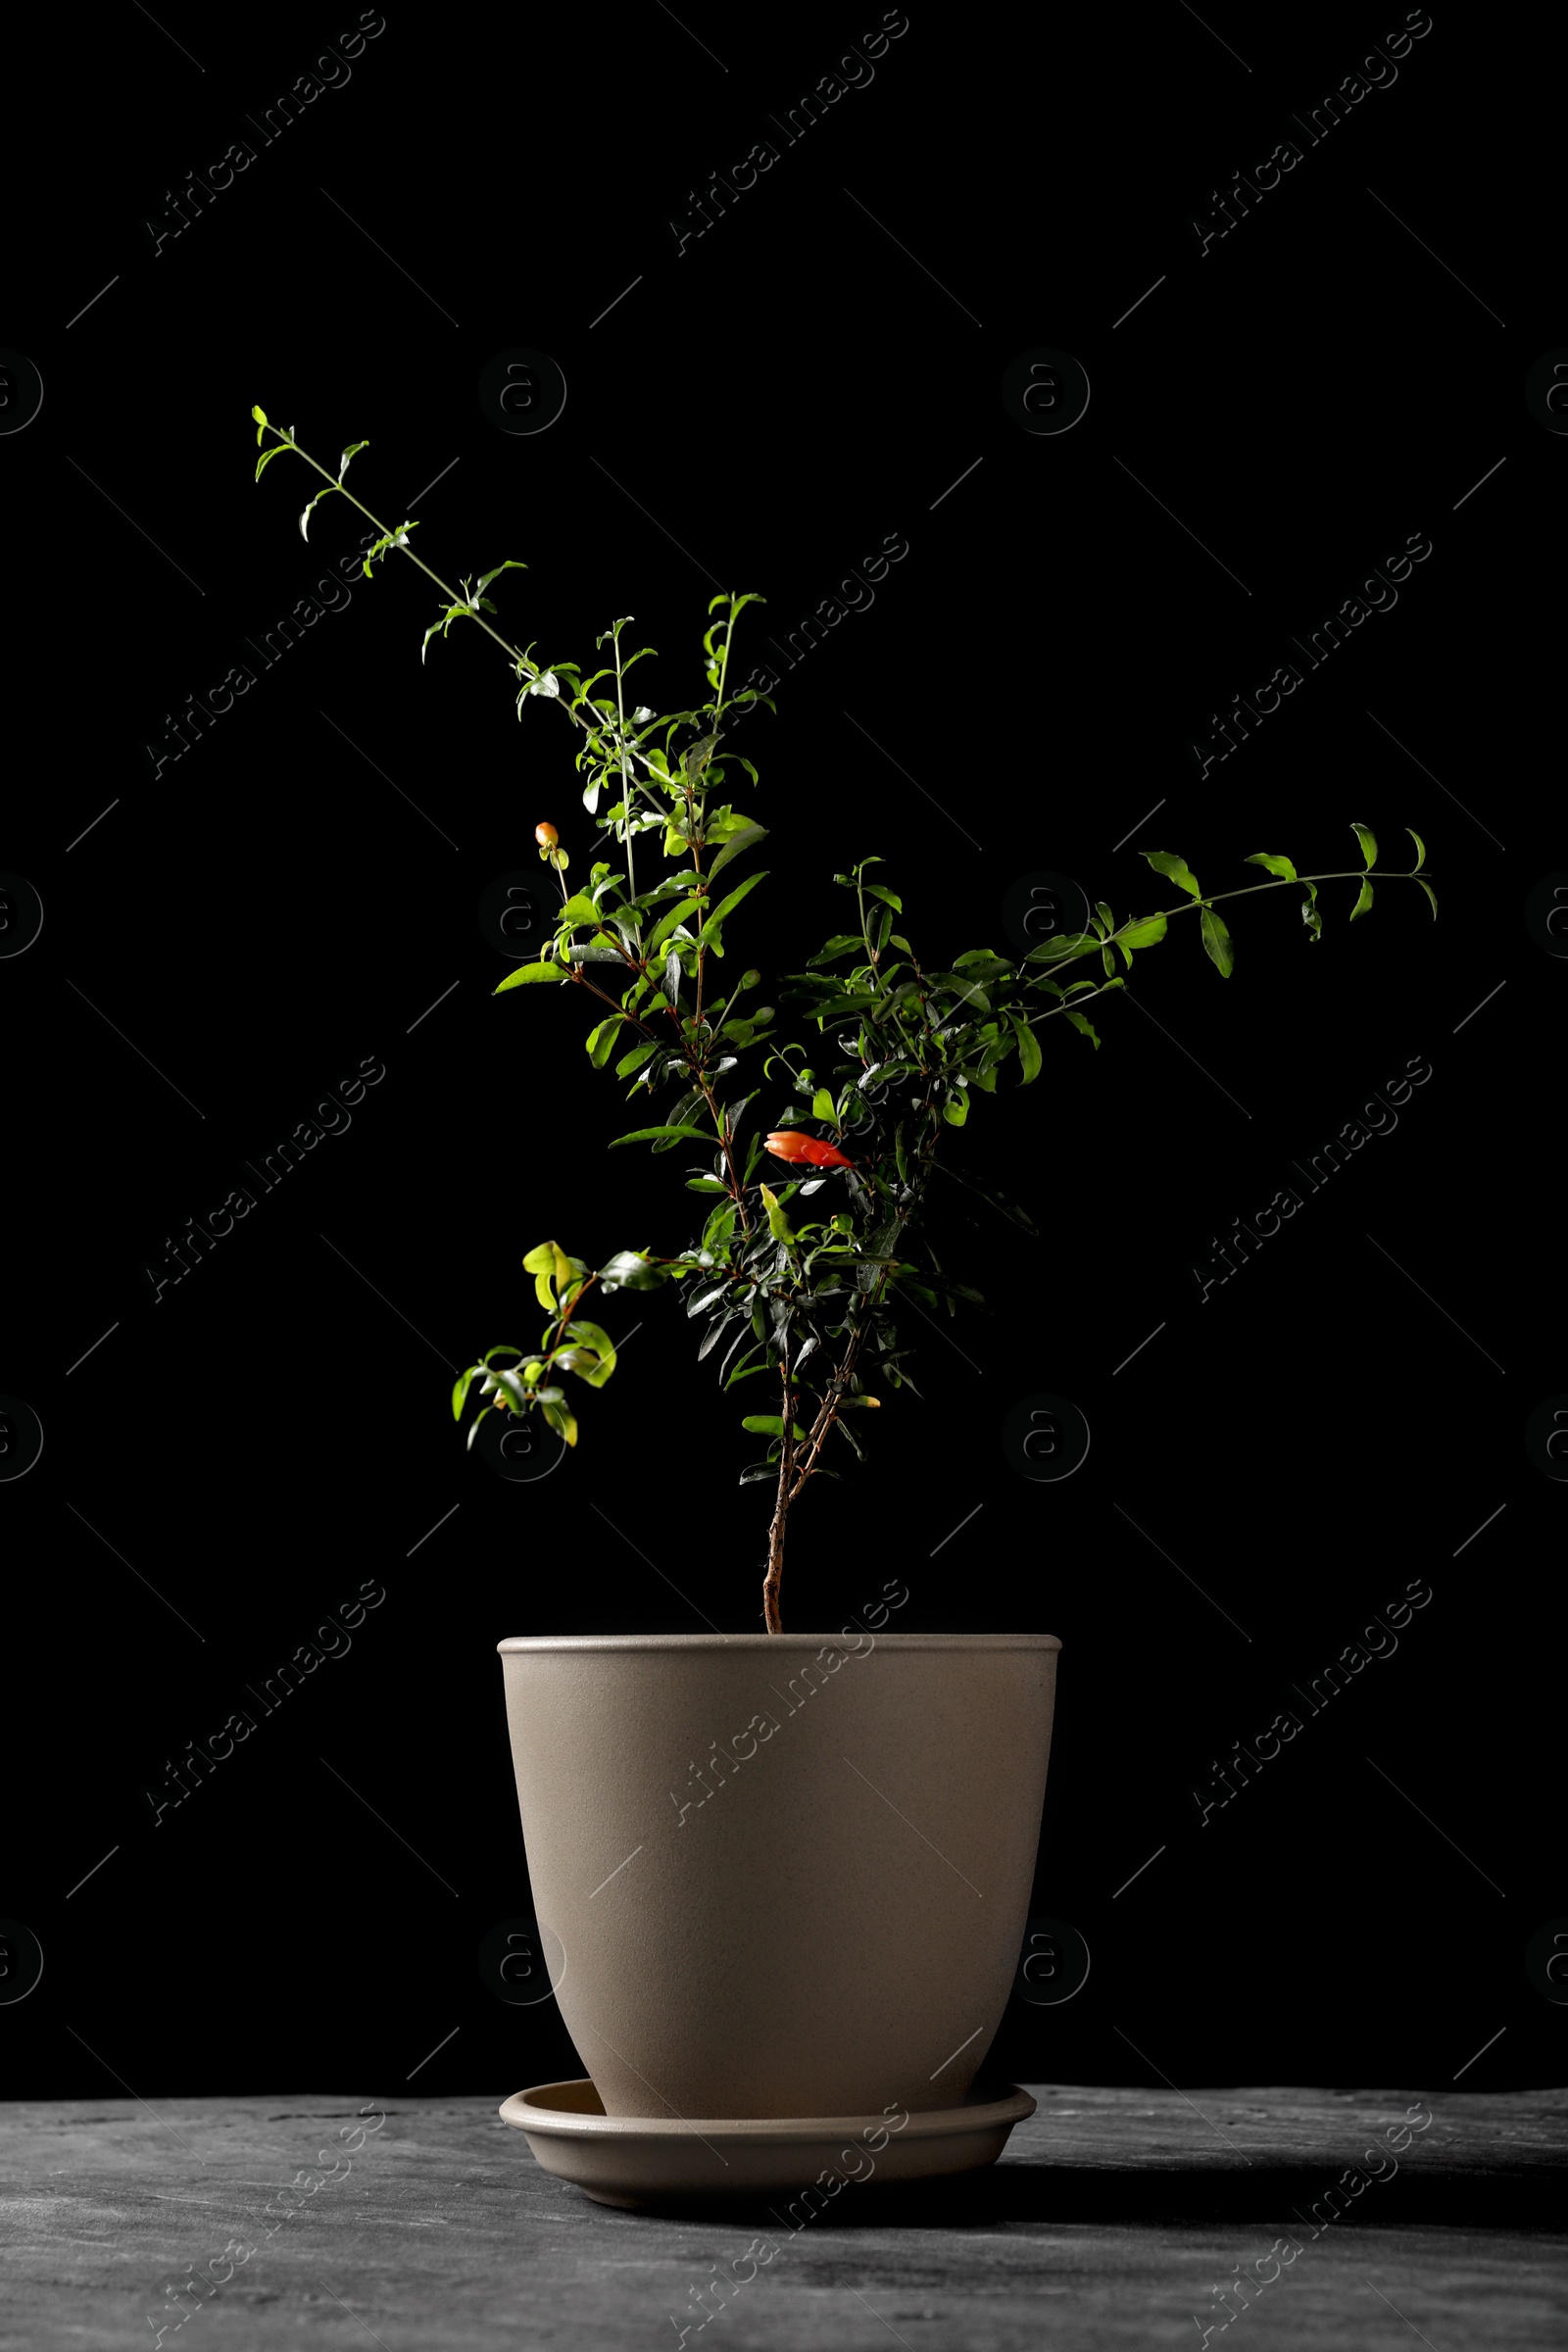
point(1188, 905)
point(625, 785)
point(451, 594)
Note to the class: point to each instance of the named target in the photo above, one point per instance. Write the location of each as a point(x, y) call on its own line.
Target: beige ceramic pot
point(781, 1875)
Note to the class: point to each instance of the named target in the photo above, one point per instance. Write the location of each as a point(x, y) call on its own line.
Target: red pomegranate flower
point(790, 1144)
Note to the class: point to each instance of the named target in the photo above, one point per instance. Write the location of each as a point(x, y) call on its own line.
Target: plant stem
point(723, 666)
point(625, 786)
point(451, 594)
point(772, 1616)
point(1188, 905)
point(691, 1052)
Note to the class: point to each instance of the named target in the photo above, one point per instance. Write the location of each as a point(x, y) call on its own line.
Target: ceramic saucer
point(645, 2160)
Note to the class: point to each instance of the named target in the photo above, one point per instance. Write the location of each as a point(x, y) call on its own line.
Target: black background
point(758, 412)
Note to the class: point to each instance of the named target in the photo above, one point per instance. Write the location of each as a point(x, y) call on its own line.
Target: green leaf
point(955, 1109)
point(824, 1107)
point(875, 890)
point(627, 1271)
point(259, 415)
point(733, 845)
point(579, 908)
point(772, 1425)
point(778, 1224)
point(841, 944)
point(648, 1134)
point(352, 450)
point(668, 924)
point(979, 963)
point(1175, 869)
point(310, 509)
point(1145, 934)
point(1029, 1054)
point(1078, 1021)
point(634, 1060)
point(526, 974)
point(695, 756)
point(564, 1423)
point(1431, 893)
point(549, 1264)
point(709, 933)
point(599, 1042)
point(460, 1394)
point(1363, 905)
point(511, 564)
point(1055, 951)
point(1274, 865)
point(1369, 846)
point(277, 450)
point(594, 1336)
point(1217, 943)
point(473, 1429)
point(1105, 914)
point(1420, 848)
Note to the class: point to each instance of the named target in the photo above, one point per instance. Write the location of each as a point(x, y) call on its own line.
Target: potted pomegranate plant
point(781, 1878)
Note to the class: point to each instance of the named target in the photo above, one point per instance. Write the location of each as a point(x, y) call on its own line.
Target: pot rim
point(769, 1643)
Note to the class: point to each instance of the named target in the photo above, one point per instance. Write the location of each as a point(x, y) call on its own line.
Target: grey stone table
point(1111, 2221)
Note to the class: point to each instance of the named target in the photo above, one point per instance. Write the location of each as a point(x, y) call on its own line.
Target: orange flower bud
point(545, 836)
point(792, 1143)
